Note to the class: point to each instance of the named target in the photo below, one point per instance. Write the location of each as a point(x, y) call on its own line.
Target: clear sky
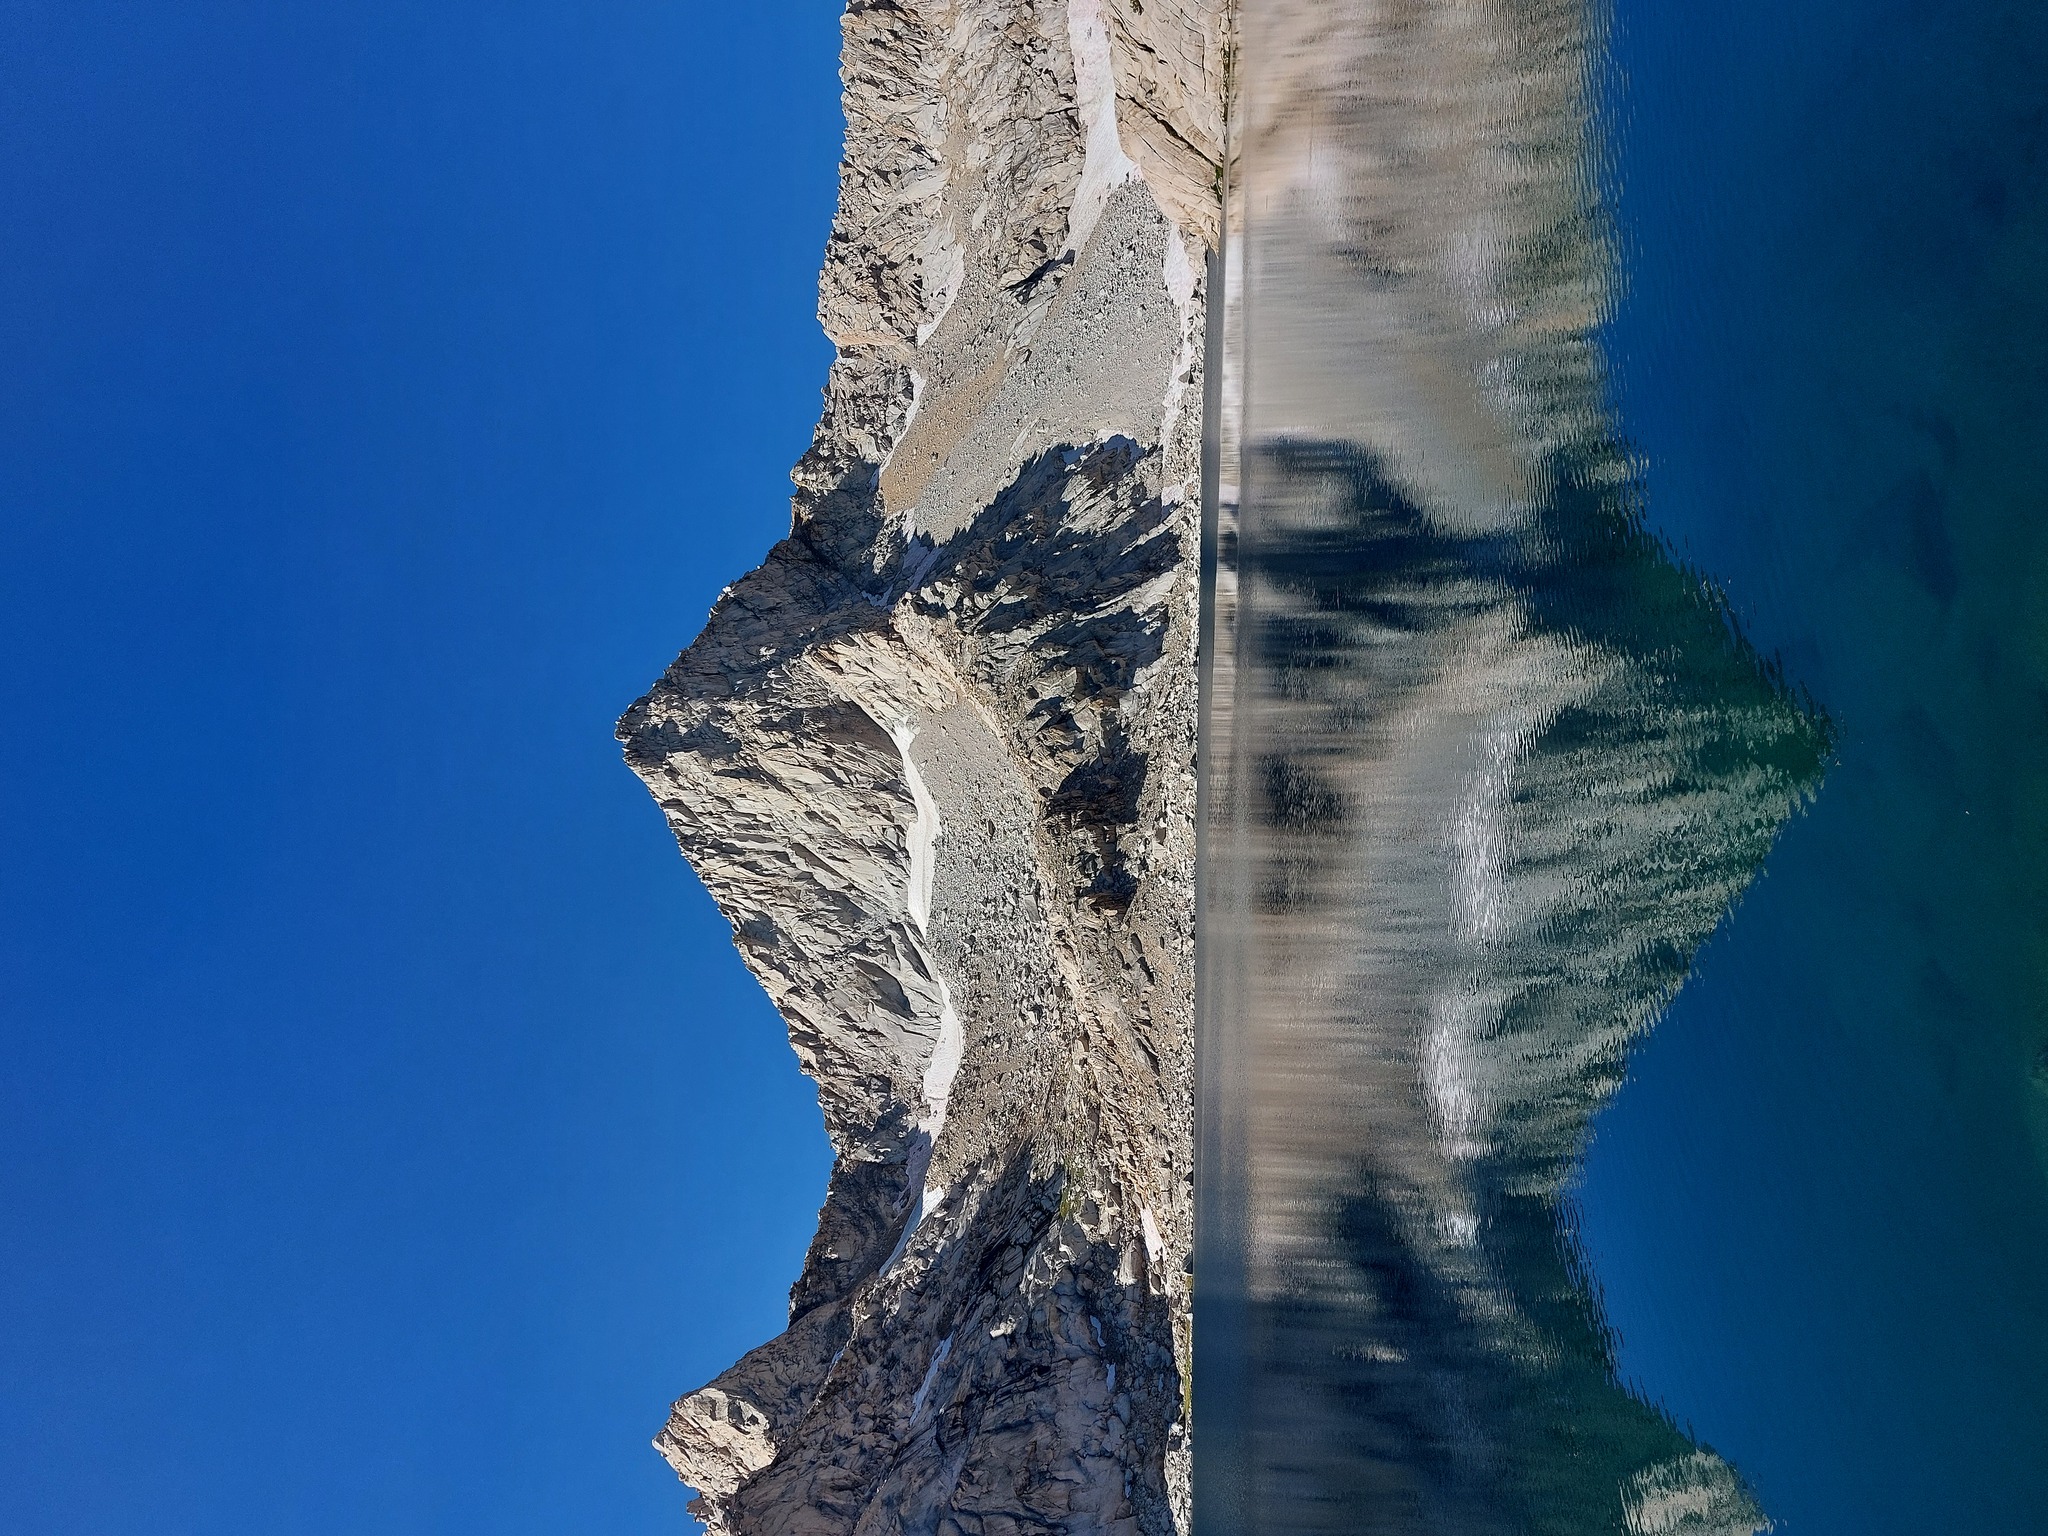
point(387, 1128)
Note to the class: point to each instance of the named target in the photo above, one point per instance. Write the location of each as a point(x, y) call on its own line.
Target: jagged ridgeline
point(935, 762)
point(1497, 789)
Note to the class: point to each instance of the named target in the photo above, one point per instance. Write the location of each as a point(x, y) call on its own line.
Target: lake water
point(1627, 717)
point(1819, 1210)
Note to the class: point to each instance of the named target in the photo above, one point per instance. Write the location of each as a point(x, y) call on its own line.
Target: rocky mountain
point(935, 762)
point(1485, 768)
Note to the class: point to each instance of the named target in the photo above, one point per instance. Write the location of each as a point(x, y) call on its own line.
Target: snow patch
point(931, 1374)
point(923, 838)
point(944, 1066)
point(924, 832)
point(916, 570)
point(1156, 1278)
point(951, 1045)
point(1180, 270)
point(1179, 277)
point(929, 1199)
point(945, 265)
point(1154, 1244)
point(1106, 166)
point(917, 384)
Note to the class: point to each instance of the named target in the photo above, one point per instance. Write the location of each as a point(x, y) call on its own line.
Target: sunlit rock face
point(935, 761)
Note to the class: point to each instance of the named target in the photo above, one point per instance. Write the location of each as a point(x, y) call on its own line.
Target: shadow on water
point(1505, 784)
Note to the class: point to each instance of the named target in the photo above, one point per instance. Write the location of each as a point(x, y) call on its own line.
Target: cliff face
point(935, 761)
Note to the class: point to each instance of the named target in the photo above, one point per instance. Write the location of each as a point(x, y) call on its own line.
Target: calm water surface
point(1627, 614)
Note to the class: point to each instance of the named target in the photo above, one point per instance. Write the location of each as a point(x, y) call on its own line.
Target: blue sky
point(388, 1130)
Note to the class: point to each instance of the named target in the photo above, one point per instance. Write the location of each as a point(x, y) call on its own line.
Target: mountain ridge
point(934, 760)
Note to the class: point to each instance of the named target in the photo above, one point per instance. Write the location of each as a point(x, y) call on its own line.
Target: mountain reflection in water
point(1483, 767)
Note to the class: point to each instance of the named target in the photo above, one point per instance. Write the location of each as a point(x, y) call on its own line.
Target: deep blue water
point(1819, 1211)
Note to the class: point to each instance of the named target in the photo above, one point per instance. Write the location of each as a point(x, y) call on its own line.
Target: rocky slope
point(934, 760)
